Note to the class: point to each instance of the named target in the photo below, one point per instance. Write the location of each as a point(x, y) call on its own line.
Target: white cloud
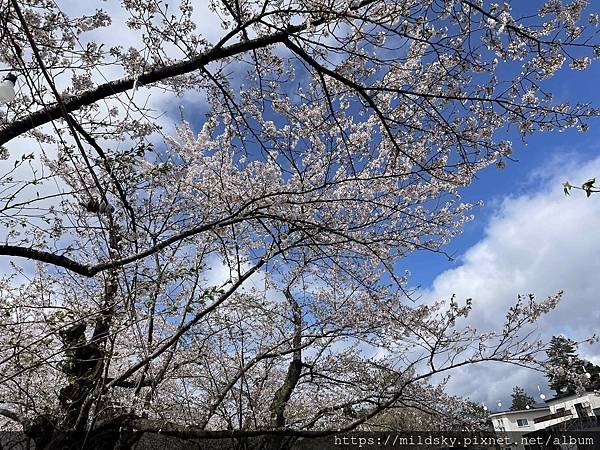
point(539, 243)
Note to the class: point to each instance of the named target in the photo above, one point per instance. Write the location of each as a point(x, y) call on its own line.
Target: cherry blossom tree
point(242, 275)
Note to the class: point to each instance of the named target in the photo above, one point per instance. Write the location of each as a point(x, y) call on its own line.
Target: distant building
point(572, 413)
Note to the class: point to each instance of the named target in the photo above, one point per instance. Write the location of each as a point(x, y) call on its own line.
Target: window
point(522, 423)
point(581, 410)
point(500, 426)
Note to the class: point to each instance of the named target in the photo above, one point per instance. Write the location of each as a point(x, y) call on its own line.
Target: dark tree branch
point(283, 394)
point(91, 270)
point(122, 195)
point(61, 106)
point(47, 257)
point(11, 415)
point(111, 88)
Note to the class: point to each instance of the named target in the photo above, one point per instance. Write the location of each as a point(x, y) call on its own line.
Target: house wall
point(508, 421)
point(549, 423)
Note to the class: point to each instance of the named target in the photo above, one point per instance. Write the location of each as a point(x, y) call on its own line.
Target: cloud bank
point(541, 243)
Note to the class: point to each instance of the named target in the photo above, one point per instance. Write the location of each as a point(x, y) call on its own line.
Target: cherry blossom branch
point(91, 270)
point(47, 257)
point(175, 336)
point(61, 106)
point(154, 75)
point(112, 88)
point(270, 353)
point(92, 142)
point(300, 52)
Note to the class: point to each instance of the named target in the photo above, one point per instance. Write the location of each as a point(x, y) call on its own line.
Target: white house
point(553, 412)
point(517, 423)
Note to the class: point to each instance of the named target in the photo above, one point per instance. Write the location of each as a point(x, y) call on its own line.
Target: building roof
point(522, 411)
point(572, 396)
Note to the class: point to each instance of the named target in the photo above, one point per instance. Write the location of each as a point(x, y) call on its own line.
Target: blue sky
point(523, 176)
point(528, 237)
